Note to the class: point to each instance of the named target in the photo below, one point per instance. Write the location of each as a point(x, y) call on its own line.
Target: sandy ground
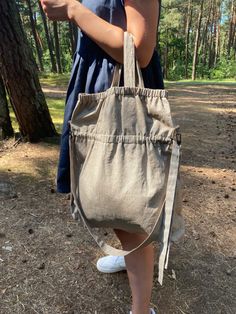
point(47, 260)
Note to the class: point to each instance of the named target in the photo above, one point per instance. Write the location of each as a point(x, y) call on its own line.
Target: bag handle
point(129, 60)
point(132, 71)
point(166, 208)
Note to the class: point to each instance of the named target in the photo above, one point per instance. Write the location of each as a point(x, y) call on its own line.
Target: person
point(101, 26)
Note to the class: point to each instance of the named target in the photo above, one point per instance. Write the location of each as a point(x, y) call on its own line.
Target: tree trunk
point(218, 23)
point(210, 59)
point(234, 41)
point(195, 56)
point(38, 49)
point(206, 37)
point(187, 31)
point(5, 121)
point(214, 21)
point(75, 33)
point(72, 39)
point(234, 32)
point(57, 47)
point(231, 28)
point(49, 42)
point(165, 63)
point(19, 72)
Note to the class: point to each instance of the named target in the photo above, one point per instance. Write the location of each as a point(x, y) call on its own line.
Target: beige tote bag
point(124, 152)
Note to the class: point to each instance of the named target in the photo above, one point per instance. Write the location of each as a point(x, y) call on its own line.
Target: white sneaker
point(151, 311)
point(111, 264)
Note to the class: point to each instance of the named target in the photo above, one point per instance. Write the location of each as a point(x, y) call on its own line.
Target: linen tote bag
point(124, 152)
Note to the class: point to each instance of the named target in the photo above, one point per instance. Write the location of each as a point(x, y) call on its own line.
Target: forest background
point(47, 259)
point(196, 39)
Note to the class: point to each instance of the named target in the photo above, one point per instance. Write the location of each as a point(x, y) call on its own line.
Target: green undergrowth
point(203, 81)
point(52, 79)
point(56, 107)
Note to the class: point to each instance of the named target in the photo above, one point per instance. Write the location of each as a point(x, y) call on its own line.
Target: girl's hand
point(58, 10)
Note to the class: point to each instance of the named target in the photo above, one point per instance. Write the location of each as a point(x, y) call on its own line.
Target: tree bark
point(5, 121)
point(187, 31)
point(34, 32)
point(75, 33)
point(234, 39)
point(19, 72)
point(195, 56)
point(210, 57)
point(218, 23)
point(72, 39)
point(232, 23)
point(214, 25)
point(57, 47)
point(205, 38)
point(234, 31)
point(166, 51)
point(49, 42)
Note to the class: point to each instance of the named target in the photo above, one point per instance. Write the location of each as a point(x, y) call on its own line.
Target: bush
point(177, 72)
point(224, 69)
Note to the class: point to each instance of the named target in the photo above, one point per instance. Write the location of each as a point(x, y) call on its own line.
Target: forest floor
point(48, 261)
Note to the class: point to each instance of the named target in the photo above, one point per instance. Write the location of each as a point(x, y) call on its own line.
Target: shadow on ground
point(49, 266)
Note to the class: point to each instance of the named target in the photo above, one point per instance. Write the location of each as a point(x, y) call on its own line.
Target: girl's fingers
point(44, 7)
point(55, 10)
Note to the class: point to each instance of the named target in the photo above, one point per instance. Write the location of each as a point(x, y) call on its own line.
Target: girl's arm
point(141, 15)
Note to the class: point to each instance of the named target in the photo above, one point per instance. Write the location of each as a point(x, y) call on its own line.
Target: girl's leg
point(139, 267)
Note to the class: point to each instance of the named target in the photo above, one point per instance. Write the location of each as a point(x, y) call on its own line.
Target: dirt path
point(47, 261)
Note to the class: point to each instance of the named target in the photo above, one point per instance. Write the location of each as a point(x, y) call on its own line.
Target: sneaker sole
point(110, 270)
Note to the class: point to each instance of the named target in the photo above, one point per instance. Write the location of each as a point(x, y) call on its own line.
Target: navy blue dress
point(92, 73)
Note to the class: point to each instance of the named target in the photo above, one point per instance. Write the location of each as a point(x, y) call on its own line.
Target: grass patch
point(52, 79)
point(56, 105)
point(13, 120)
point(203, 82)
point(56, 108)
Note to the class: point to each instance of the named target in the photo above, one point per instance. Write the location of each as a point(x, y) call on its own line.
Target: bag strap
point(169, 209)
